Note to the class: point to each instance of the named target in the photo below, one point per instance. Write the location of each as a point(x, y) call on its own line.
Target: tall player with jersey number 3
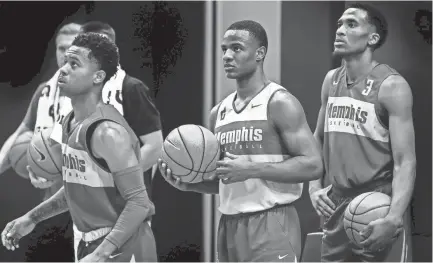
point(269, 152)
point(366, 129)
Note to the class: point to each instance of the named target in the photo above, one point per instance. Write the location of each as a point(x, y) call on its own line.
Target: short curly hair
point(254, 28)
point(102, 50)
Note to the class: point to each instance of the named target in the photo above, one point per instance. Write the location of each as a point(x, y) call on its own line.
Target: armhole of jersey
point(212, 127)
point(88, 136)
point(268, 115)
point(378, 108)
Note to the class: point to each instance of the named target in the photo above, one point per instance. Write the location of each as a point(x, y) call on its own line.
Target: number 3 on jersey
point(367, 89)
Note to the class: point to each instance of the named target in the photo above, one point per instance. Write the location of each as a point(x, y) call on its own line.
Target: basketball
point(44, 157)
point(362, 210)
point(18, 154)
point(191, 152)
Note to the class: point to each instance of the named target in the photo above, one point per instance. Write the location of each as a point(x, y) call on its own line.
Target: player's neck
point(248, 87)
point(85, 105)
point(358, 66)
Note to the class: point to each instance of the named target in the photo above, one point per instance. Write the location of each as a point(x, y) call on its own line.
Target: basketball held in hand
point(191, 152)
point(45, 156)
point(362, 210)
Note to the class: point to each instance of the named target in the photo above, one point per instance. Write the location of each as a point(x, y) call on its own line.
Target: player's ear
point(260, 53)
point(374, 39)
point(99, 77)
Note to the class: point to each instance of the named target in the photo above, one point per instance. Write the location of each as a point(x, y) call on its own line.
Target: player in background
point(263, 172)
point(107, 198)
point(366, 105)
point(56, 233)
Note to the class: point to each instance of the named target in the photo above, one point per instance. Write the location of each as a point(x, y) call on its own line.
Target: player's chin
point(231, 75)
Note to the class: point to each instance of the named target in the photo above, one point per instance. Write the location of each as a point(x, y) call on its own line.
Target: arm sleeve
point(139, 109)
point(138, 207)
point(30, 117)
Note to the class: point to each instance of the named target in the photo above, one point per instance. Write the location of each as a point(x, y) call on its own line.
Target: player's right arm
point(28, 124)
point(210, 186)
point(25, 224)
point(319, 198)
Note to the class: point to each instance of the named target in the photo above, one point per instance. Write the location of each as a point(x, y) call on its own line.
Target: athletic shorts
point(336, 246)
point(141, 247)
point(272, 235)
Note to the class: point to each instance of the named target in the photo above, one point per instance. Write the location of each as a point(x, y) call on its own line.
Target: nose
point(228, 55)
point(340, 30)
point(63, 69)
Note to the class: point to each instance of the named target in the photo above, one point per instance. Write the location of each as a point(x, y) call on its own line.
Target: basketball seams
point(186, 148)
point(168, 155)
point(354, 212)
point(49, 153)
point(211, 161)
point(203, 150)
point(371, 208)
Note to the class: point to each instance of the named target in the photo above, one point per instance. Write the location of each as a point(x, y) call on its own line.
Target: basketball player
point(269, 152)
point(131, 98)
point(365, 106)
point(127, 94)
point(106, 195)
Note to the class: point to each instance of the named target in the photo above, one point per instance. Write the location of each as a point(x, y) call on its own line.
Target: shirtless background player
point(259, 178)
point(365, 106)
point(108, 201)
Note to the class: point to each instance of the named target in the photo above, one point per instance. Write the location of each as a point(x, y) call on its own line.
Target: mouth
point(228, 67)
point(338, 41)
point(61, 81)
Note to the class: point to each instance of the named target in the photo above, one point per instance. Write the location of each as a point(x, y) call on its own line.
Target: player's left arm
point(112, 142)
point(305, 163)
point(144, 119)
point(396, 96)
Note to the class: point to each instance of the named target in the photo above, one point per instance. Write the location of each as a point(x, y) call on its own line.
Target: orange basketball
point(44, 156)
point(191, 152)
point(362, 210)
point(18, 154)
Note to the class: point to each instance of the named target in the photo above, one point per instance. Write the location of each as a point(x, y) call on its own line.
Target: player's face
point(353, 33)
point(239, 54)
point(63, 42)
point(79, 73)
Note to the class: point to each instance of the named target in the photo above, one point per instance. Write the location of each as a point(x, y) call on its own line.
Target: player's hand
point(39, 182)
point(233, 169)
point(380, 233)
point(15, 230)
point(321, 202)
point(171, 179)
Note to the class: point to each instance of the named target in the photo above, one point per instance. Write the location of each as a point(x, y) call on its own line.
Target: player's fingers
point(6, 235)
point(328, 202)
point(323, 211)
point(231, 156)
point(221, 163)
point(326, 208)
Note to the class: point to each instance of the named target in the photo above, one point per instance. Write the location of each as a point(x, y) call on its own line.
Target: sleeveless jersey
point(93, 199)
point(251, 134)
point(357, 149)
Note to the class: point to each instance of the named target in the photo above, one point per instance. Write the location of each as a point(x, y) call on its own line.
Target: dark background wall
point(177, 224)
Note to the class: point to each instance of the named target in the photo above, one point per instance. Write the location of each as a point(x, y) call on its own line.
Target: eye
point(73, 64)
point(351, 25)
point(224, 50)
point(237, 48)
